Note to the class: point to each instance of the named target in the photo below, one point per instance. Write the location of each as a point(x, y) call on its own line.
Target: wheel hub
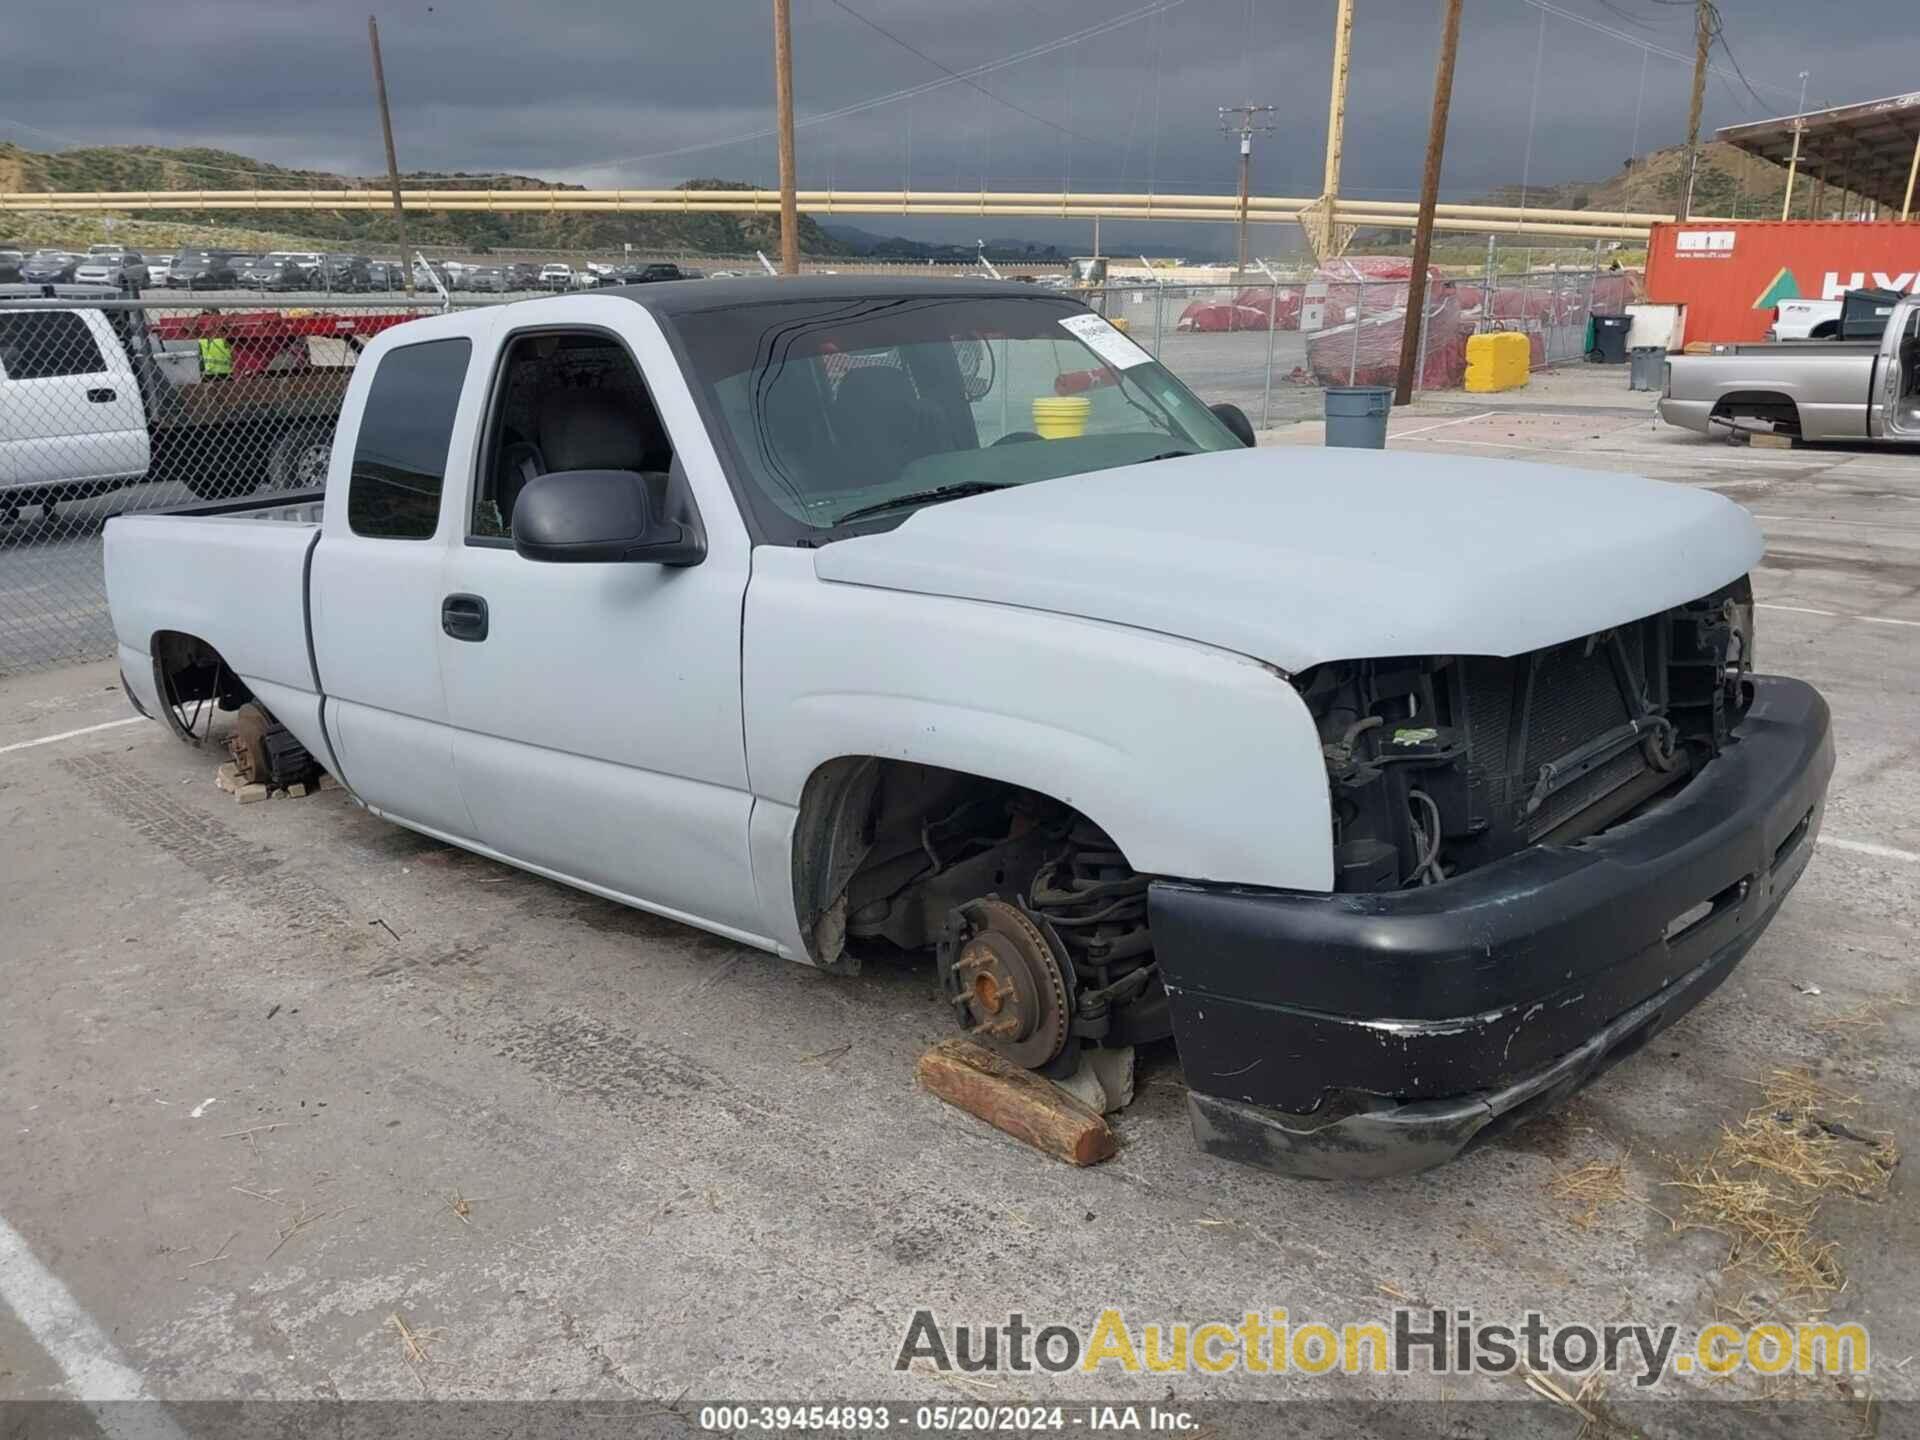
point(1006, 983)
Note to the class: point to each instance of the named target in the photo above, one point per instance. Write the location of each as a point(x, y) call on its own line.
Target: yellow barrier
point(1498, 361)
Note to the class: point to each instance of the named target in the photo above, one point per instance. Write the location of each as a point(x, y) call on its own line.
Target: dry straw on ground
point(1763, 1185)
point(1592, 1188)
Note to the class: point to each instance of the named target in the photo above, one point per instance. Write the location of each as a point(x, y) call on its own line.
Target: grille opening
point(1696, 915)
point(1787, 846)
point(1687, 919)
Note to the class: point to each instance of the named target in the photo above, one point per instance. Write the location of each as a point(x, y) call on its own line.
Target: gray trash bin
point(1649, 364)
point(1357, 416)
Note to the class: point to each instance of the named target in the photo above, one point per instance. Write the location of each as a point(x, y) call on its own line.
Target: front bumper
point(1349, 1036)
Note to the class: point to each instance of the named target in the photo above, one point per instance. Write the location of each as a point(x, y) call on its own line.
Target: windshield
point(829, 407)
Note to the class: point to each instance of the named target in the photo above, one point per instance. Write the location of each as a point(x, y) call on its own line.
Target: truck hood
point(1298, 556)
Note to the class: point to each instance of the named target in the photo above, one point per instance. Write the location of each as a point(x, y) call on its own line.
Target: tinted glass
point(832, 407)
point(400, 456)
point(42, 346)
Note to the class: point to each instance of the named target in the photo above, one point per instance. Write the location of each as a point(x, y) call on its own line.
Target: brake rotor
point(1007, 984)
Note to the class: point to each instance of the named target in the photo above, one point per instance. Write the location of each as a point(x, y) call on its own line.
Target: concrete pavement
point(271, 1075)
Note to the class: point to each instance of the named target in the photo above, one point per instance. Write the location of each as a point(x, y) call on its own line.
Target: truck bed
point(238, 581)
point(1801, 348)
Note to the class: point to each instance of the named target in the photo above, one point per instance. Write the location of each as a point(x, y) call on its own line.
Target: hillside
point(140, 167)
point(1731, 183)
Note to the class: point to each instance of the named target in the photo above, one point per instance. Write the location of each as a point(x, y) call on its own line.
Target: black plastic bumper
point(1345, 1036)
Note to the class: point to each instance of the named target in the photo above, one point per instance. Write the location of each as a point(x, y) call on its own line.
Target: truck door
point(1895, 409)
point(377, 576)
point(72, 410)
point(596, 707)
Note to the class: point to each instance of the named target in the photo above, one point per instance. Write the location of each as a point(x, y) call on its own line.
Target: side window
point(47, 345)
point(564, 400)
point(400, 458)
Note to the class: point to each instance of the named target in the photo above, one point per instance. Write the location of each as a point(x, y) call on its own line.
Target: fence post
point(1266, 400)
point(1159, 300)
point(1493, 279)
point(1359, 310)
point(1593, 280)
point(1420, 361)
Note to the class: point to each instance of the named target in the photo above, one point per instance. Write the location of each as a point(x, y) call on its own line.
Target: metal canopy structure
point(1871, 149)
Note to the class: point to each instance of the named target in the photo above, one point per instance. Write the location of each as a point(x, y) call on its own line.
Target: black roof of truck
point(686, 297)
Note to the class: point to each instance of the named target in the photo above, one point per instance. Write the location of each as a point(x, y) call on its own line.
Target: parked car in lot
point(1405, 793)
point(122, 269)
point(651, 274)
point(10, 263)
point(522, 276)
point(556, 277)
point(343, 274)
point(159, 269)
point(490, 279)
point(205, 270)
point(1809, 389)
point(279, 271)
point(49, 267)
point(386, 275)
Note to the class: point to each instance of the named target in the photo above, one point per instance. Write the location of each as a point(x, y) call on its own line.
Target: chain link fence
point(109, 407)
point(1274, 347)
point(115, 406)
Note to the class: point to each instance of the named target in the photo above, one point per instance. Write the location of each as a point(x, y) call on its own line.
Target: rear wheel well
point(193, 681)
point(1768, 405)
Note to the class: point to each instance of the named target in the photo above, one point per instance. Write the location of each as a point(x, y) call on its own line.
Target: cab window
point(400, 455)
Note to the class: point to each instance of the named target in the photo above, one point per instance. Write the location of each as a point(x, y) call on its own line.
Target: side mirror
point(598, 517)
point(1235, 419)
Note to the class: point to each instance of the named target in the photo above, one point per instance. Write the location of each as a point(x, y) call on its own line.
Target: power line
point(874, 102)
point(1647, 45)
point(875, 26)
point(1718, 29)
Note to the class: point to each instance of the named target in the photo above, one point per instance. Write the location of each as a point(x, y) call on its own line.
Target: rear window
point(46, 344)
point(400, 458)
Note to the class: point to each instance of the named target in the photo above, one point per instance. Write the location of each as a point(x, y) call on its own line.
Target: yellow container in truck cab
point(1497, 361)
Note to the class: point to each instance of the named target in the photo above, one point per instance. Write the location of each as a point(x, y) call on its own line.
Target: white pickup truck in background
point(1403, 793)
point(91, 399)
point(1800, 319)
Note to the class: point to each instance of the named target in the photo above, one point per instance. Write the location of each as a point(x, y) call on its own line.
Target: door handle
point(101, 397)
point(464, 617)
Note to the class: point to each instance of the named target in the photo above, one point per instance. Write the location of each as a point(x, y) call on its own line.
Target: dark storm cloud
point(584, 92)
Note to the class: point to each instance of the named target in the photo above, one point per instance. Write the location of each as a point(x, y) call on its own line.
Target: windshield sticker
point(1109, 344)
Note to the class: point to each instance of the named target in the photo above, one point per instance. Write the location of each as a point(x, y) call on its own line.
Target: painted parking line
point(93, 1370)
point(70, 734)
point(1868, 847)
point(1836, 614)
point(1457, 420)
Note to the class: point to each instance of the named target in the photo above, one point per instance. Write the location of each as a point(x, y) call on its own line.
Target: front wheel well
point(883, 849)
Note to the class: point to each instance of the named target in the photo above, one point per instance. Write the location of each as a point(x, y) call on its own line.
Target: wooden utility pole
point(783, 102)
point(1244, 122)
point(1702, 40)
point(393, 165)
point(1429, 197)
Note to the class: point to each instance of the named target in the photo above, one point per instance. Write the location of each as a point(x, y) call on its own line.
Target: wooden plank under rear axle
point(1026, 1106)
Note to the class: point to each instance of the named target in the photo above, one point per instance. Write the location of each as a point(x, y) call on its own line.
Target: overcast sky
point(594, 93)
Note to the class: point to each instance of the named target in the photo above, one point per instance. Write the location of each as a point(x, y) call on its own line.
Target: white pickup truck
point(1404, 793)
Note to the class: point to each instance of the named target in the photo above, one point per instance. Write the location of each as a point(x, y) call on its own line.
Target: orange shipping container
point(1730, 276)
